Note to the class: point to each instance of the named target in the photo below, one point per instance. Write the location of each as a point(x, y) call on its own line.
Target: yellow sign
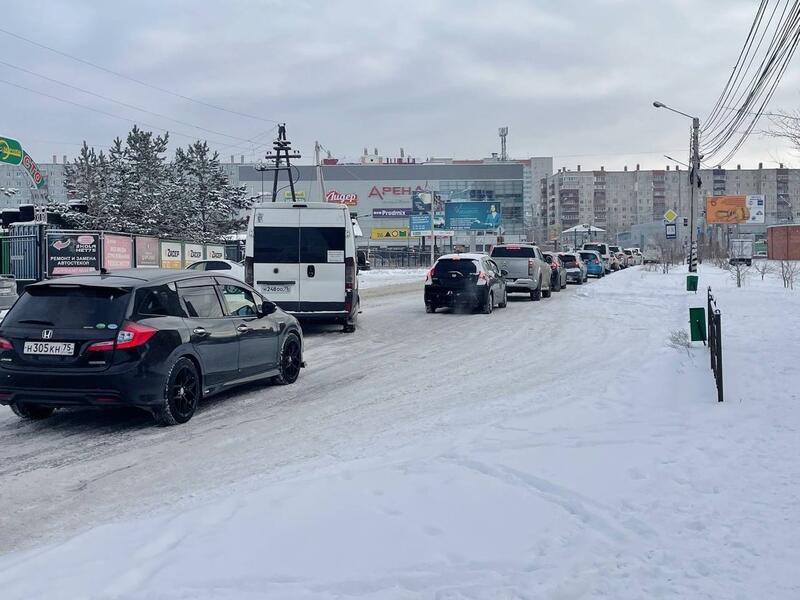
point(298, 194)
point(670, 216)
point(386, 233)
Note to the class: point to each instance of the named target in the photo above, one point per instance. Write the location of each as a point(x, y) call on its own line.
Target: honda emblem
point(47, 334)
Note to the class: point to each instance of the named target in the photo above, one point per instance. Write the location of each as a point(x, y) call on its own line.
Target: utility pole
point(320, 179)
point(282, 151)
point(694, 181)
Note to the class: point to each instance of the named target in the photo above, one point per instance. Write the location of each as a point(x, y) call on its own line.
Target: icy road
point(557, 449)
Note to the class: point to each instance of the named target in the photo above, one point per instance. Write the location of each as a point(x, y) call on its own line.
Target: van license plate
point(49, 348)
point(276, 289)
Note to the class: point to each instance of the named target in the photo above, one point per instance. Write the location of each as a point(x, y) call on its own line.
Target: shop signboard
point(474, 216)
point(389, 233)
point(215, 252)
point(117, 251)
point(193, 252)
point(75, 252)
point(147, 252)
point(171, 255)
point(390, 213)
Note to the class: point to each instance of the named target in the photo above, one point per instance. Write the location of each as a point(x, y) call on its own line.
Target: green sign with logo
point(10, 151)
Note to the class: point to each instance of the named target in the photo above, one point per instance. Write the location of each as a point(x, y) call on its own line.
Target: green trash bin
point(691, 282)
point(697, 323)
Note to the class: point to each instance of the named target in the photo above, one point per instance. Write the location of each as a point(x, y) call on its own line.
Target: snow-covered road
point(557, 449)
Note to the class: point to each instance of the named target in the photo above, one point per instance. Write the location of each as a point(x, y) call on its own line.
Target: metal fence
point(715, 341)
point(383, 258)
point(21, 256)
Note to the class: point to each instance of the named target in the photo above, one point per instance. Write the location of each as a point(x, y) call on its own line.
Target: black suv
point(156, 339)
point(465, 280)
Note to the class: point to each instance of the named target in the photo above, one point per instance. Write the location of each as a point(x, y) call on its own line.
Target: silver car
point(526, 270)
point(576, 268)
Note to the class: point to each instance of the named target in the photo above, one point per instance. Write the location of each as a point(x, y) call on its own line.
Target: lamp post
point(694, 176)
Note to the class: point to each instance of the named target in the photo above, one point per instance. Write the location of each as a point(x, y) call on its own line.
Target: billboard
point(193, 252)
point(69, 253)
point(147, 252)
point(389, 233)
point(215, 252)
point(464, 216)
point(171, 255)
point(117, 251)
point(735, 210)
point(350, 199)
point(419, 224)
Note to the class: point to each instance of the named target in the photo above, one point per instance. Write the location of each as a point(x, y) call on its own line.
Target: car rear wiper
point(35, 322)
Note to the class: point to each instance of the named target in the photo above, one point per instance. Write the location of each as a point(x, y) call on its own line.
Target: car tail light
point(349, 273)
point(5, 344)
point(132, 335)
point(553, 266)
point(248, 270)
point(530, 266)
point(429, 276)
point(482, 278)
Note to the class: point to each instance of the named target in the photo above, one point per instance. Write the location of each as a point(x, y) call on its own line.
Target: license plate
point(49, 348)
point(276, 289)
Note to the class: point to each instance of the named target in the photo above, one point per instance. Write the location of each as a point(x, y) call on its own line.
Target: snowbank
point(623, 479)
point(389, 277)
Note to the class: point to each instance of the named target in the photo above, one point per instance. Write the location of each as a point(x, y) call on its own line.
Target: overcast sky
point(571, 79)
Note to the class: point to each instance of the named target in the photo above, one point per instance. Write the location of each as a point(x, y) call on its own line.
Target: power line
point(120, 102)
point(102, 112)
point(133, 79)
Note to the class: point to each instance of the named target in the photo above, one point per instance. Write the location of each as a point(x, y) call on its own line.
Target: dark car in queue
point(558, 272)
point(154, 339)
point(465, 281)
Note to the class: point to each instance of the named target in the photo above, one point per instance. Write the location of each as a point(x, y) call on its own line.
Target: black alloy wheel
point(182, 394)
point(291, 360)
point(488, 306)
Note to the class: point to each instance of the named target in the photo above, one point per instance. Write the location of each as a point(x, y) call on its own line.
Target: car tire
point(488, 305)
point(536, 294)
point(580, 281)
point(181, 395)
point(33, 412)
point(504, 303)
point(290, 360)
point(430, 308)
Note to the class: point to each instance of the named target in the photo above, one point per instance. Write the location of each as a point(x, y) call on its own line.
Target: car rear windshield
point(448, 266)
point(599, 247)
point(513, 252)
point(568, 258)
point(70, 307)
point(588, 256)
point(298, 245)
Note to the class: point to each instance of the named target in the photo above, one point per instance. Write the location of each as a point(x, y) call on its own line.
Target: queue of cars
point(482, 282)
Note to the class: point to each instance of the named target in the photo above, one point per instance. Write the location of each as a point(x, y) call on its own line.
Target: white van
point(302, 256)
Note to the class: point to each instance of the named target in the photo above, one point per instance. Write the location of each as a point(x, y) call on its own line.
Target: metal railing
point(715, 341)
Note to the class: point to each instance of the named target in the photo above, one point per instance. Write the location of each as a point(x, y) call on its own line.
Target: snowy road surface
point(558, 449)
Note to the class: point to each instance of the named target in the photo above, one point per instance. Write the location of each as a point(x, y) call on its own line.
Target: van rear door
point(276, 257)
point(323, 234)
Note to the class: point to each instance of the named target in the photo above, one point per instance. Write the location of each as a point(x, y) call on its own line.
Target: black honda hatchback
point(155, 339)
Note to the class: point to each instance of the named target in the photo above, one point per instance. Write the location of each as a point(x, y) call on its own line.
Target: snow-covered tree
point(209, 205)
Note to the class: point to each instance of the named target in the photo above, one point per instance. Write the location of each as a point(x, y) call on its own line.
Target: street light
point(694, 169)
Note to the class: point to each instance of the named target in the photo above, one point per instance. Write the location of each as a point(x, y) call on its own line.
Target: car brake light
point(131, 335)
point(429, 276)
point(349, 273)
point(553, 266)
point(530, 266)
point(5, 344)
point(482, 278)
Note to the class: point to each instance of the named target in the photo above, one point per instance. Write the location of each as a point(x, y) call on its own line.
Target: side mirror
point(503, 272)
point(267, 307)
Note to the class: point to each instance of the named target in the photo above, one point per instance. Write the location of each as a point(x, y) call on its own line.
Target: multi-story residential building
point(617, 200)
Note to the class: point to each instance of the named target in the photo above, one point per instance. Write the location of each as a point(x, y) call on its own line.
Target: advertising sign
point(298, 194)
point(419, 223)
point(215, 252)
point(463, 216)
point(193, 252)
point(117, 251)
point(10, 151)
point(388, 233)
point(339, 198)
point(171, 255)
point(390, 213)
point(147, 252)
point(72, 253)
point(735, 210)
point(33, 170)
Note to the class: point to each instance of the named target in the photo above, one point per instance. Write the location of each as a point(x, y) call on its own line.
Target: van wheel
point(291, 360)
point(34, 412)
point(182, 391)
point(488, 306)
